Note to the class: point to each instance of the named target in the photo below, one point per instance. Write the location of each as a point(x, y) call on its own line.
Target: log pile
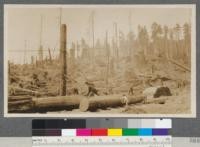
point(19, 103)
point(20, 99)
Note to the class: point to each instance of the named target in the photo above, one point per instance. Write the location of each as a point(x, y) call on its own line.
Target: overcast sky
point(22, 24)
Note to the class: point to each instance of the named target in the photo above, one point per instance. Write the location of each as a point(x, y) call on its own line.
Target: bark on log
point(103, 102)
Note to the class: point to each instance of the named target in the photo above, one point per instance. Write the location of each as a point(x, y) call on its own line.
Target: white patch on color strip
point(68, 132)
point(163, 123)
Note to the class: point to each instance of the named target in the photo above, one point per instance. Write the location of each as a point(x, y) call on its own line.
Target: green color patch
point(130, 132)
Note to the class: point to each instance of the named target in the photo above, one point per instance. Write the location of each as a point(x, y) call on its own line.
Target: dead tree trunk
point(9, 67)
point(32, 60)
point(105, 102)
point(108, 63)
point(63, 56)
point(50, 58)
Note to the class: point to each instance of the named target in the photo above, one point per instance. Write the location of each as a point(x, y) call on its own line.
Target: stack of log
point(22, 103)
point(20, 100)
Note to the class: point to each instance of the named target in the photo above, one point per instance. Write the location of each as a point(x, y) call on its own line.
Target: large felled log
point(107, 101)
point(155, 92)
point(56, 103)
point(160, 100)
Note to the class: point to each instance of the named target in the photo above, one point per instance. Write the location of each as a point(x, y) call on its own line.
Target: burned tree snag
point(32, 60)
point(50, 57)
point(63, 59)
point(9, 67)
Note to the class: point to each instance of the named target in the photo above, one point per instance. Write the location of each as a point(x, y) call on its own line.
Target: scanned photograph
point(100, 60)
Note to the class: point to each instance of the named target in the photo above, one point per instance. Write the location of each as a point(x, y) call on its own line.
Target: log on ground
point(21, 91)
point(55, 103)
point(160, 100)
point(19, 98)
point(17, 103)
point(103, 102)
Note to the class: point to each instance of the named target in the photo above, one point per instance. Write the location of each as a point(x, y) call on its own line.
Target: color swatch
point(103, 127)
point(99, 132)
point(114, 132)
point(102, 132)
point(83, 132)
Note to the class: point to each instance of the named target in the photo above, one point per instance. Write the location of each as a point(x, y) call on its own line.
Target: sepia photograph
point(100, 60)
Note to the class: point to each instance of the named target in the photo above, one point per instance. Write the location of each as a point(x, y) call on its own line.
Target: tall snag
point(63, 59)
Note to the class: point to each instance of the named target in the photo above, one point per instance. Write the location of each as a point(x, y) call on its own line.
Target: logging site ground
point(143, 70)
point(25, 87)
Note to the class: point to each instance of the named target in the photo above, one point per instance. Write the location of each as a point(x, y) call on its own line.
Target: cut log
point(155, 92)
point(21, 91)
point(22, 109)
point(103, 102)
point(160, 100)
point(180, 65)
point(56, 103)
point(17, 103)
point(19, 98)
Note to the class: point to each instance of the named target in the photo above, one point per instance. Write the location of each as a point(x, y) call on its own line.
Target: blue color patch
point(145, 132)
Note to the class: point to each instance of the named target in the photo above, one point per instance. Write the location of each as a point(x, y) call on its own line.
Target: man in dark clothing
point(75, 91)
point(91, 89)
point(130, 92)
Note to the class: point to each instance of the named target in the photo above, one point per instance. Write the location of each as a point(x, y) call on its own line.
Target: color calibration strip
point(103, 132)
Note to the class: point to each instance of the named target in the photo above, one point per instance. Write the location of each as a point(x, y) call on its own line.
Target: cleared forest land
point(34, 86)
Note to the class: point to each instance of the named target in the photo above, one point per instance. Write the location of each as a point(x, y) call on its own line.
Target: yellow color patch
point(114, 132)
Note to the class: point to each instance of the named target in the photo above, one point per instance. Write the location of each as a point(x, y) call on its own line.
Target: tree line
point(159, 41)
